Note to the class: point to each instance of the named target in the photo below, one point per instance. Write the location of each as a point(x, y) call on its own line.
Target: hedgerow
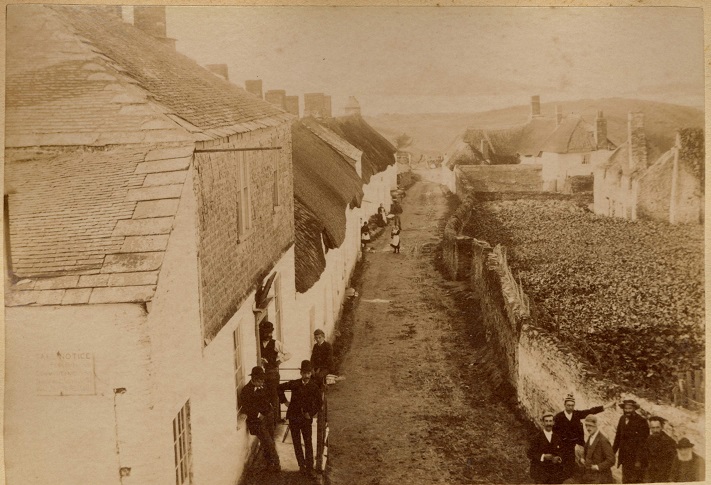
point(628, 296)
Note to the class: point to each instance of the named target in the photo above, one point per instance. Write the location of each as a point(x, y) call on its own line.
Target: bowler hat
point(257, 373)
point(266, 325)
point(684, 443)
point(631, 402)
point(318, 331)
point(306, 366)
point(590, 418)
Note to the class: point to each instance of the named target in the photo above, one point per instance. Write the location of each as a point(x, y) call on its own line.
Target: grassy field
point(628, 295)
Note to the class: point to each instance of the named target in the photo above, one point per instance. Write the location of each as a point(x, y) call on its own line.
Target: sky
point(452, 59)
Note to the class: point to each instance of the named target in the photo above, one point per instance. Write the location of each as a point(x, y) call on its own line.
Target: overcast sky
point(453, 59)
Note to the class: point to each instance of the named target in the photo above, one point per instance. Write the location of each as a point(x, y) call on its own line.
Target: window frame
point(182, 446)
point(238, 363)
point(244, 195)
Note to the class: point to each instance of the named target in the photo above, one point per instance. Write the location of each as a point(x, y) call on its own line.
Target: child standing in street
point(395, 239)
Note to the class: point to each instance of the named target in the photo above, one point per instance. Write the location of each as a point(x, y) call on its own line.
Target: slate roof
point(324, 182)
point(92, 226)
point(378, 152)
point(310, 261)
point(76, 75)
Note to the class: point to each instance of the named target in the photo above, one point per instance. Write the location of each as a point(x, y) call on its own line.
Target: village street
point(421, 402)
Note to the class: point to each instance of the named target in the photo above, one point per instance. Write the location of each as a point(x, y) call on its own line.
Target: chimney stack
point(151, 20)
point(601, 131)
point(291, 105)
point(637, 141)
point(535, 106)
point(276, 97)
point(219, 69)
point(254, 86)
point(558, 114)
point(315, 105)
point(353, 106)
point(485, 149)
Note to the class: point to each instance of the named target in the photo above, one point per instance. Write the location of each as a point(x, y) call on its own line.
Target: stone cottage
point(149, 227)
point(670, 189)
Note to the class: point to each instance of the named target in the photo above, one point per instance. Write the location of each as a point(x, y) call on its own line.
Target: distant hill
point(433, 133)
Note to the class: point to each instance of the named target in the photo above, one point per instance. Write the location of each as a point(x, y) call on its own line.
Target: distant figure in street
point(687, 467)
point(256, 404)
point(382, 216)
point(273, 354)
point(321, 357)
point(364, 236)
point(396, 210)
point(305, 404)
point(660, 452)
point(544, 451)
point(395, 239)
point(569, 427)
point(597, 459)
point(631, 442)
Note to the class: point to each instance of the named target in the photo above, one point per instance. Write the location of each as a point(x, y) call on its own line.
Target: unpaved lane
point(421, 403)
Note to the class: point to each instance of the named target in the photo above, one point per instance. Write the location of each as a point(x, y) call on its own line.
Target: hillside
point(433, 133)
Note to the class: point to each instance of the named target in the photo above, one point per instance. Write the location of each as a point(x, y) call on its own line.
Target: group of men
point(560, 453)
point(260, 399)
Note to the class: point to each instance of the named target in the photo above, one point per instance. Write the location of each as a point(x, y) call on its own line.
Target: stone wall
point(539, 367)
point(499, 178)
point(231, 264)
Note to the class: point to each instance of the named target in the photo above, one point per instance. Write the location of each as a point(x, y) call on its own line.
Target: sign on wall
point(65, 374)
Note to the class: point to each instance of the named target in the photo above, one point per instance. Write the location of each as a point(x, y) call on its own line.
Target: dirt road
point(422, 402)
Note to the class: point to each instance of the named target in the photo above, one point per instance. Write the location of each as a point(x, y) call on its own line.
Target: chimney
point(254, 86)
point(276, 97)
point(558, 114)
point(151, 20)
point(314, 105)
point(535, 106)
point(600, 131)
point(637, 141)
point(327, 107)
point(291, 105)
point(485, 149)
point(219, 69)
point(353, 106)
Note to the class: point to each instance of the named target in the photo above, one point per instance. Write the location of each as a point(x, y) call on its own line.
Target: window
point(586, 158)
point(244, 203)
point(239, 373)
point(6, 231)
point(181, 445)
point(275, 187)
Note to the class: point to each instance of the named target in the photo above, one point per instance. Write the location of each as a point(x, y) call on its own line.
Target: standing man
point(687, 467)
point(598, 458)
point(255, 403)
point(321, 357)
point(305, 404)
point(396, 210)
point(660, 452)
point(569, 427)
point(544, 452)
point(273, 354)
point(631, 441)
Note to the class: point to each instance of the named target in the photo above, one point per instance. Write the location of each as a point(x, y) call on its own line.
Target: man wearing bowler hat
point(687, 467)
point(631, 442)
point(255, 403)
point(273, 354)
point(305, 404)
point(569, 427)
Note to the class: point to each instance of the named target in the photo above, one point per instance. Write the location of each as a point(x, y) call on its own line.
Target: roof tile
point(93, 280)
point(156, 208)
point(56, 283)
point(139, 244)
point(50, 297)
point(132, 262)
point(152, 193)
point(122, 294)
point(134, 279)
point(143, 227)
point(76, 296)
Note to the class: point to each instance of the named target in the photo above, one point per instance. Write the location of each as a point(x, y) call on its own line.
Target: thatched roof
point(310, 261)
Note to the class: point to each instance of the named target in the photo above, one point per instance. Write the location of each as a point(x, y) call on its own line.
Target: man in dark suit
point(660, 452)
point(544, 453)
point(569, 427)
point(305, 404)
point(321, 357)
point(631, 442)
point(598, 457)
point(255, 402)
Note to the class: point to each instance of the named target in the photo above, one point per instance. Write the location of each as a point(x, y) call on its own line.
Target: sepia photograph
point(353, 245)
